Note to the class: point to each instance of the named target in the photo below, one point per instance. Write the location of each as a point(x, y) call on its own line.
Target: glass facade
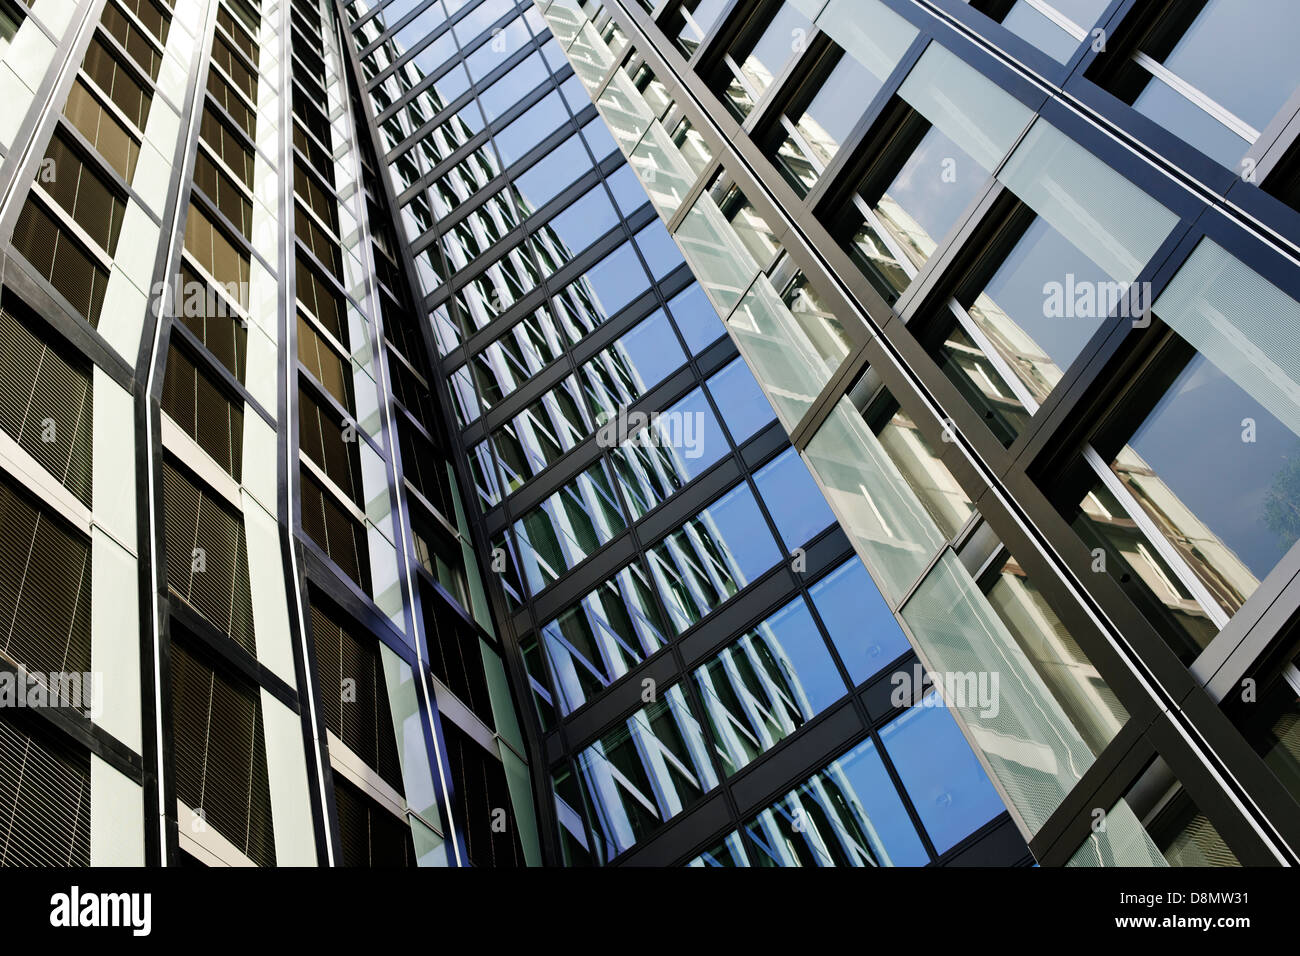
point(1044, 389)
point(694, 433)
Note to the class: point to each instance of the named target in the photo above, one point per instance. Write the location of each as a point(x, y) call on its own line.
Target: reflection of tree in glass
point(1282, 505)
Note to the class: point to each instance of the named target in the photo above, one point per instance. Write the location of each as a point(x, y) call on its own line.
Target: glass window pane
point(861, 626)
point(766, 685)
point(948, 787)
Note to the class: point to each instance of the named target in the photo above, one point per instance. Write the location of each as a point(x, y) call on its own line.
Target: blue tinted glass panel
point(540, 121)
point(585, 221)
point(696, 319)
point(947, 785)
point(793, 499)
point(627, 189)
point(744, 407)
point(859, 622)
point(543, 181)
point(659, 249)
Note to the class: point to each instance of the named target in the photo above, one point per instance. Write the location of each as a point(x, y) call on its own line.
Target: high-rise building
point(729, 432)
point(227, 497)
point(1020, 282)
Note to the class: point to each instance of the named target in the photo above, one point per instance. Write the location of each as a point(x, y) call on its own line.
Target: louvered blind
point(340, 535)
point(44, 800)
point(208, 316)
point(479, 789)
point(207, 556)
point(358, 711)
point(371, 836)
point(321, 438)
point(456, 657)
point(44, 587)
point(329, 368)
point(46, 403)
point(219, 754)
point(61, 260)
point(204, 411)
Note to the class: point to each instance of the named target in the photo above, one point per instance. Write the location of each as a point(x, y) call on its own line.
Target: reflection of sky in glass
point(1181, 117)
point(1193, 442)
point(793, 499)
point(1026, 22)
point(1242, 53)
point(1041, 256)
point(941, 774)
point(860, 624)
point(923, 191)
point(744, 407)
point(838, 105)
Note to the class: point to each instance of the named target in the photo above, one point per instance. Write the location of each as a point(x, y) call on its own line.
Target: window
point(354, 691)
point(921, 167)
point(598, 640)
point(203, 410)
point(822, 114)
point(207, 556)
point(712, 557)
point(741, 402)
point(849, 814)
point(1212, 72)
point(329, 368)
point(1057, 28)
point(568, 527)
point(948, 787)
point(219, 753)
point(207, 314)
point(82, 192)
point(320, 299)
point(644, 772)
point(656, 461)
point(793, 499)
point(217, 253)
point(339, 533)
point(322, 438)
point(370, 835)
point(480, 792)
point(46, 402)
point(759, 55)
point(107, 73)
point(1156, 823)
point(118, 147)
point(237, 109)
point(859, 622)
point(133, 40)
point(456, 655)
point(691, 20)
point(229, 198)
point(49, 246)
point(44, 588)
point(44, 797)
point(1054, 264)
point(1199, 524)
point(766, 685)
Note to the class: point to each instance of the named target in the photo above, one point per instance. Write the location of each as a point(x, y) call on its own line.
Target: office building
point(715, 433)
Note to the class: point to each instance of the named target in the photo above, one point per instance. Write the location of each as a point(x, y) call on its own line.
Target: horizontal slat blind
point(46, 403)
point(44, 801)
point(207, 556)
point(44, 588)
point(219, 754)
point(359, 712)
